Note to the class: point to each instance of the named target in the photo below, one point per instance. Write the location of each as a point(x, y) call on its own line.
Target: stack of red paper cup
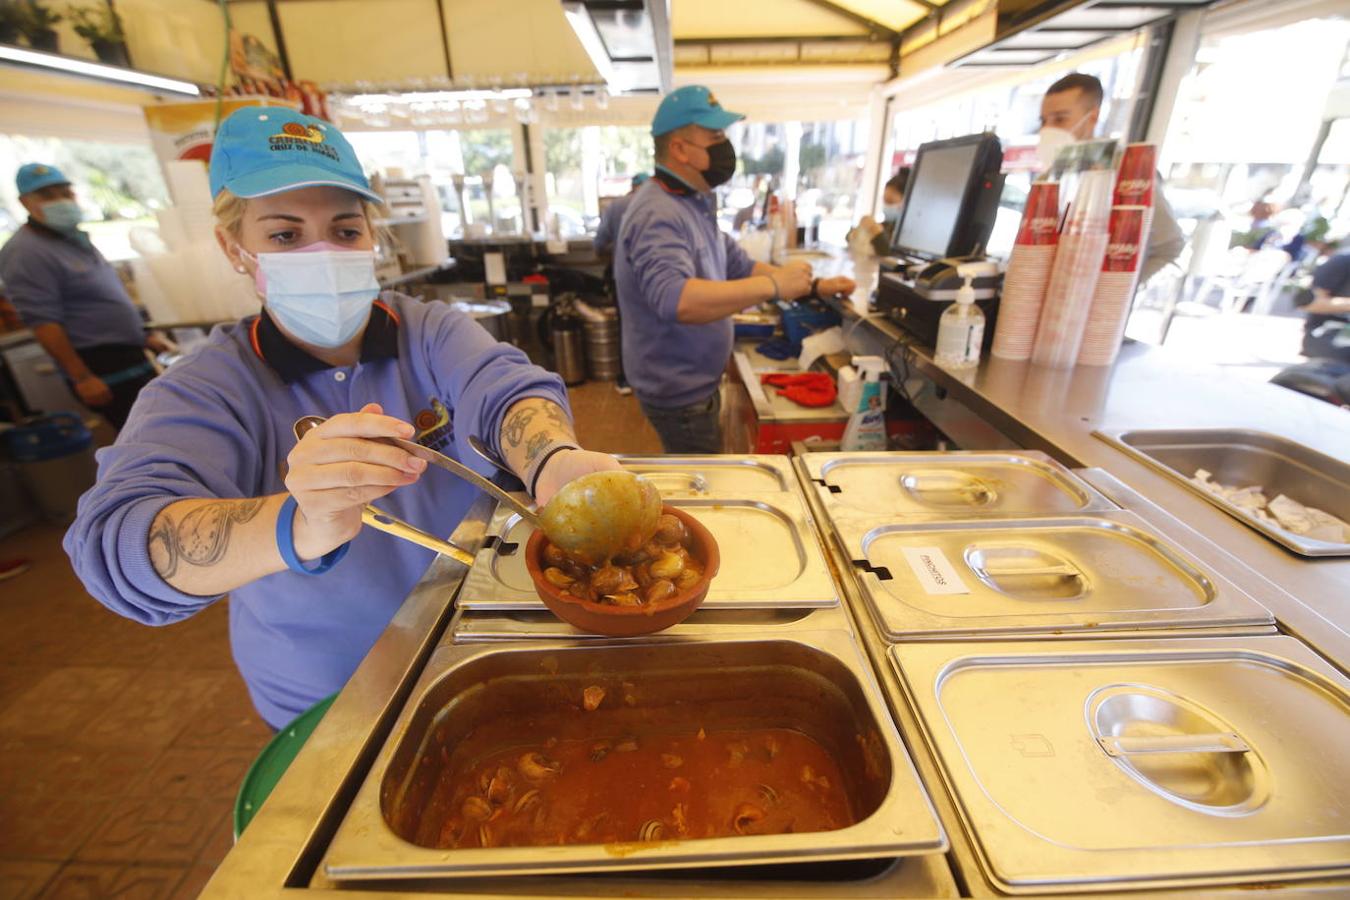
point(1073, 279)
point(1135, 182)
point(1028, 274)
point(1115, 287)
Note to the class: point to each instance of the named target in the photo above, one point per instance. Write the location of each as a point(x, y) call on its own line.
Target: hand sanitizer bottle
point(961, 328)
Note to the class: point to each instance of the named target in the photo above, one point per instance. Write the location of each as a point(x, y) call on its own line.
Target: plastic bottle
point(866, 428)
point(961, 328)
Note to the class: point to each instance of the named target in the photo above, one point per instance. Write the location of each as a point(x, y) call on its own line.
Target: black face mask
point(721, 164)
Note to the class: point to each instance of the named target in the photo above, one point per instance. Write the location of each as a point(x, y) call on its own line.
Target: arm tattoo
point(514, 431)
point(201, 537)
point(557, 417)
point(536, 444)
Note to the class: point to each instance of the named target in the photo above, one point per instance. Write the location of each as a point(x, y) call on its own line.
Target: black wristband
point(538, 465)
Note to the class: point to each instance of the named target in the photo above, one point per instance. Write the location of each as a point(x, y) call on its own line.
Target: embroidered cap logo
point(306, 138)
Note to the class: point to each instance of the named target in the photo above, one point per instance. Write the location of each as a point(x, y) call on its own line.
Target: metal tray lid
point(704, 475)
point(1133, 763)
point(1102, 571)
point(770, 556)
point(950, 485)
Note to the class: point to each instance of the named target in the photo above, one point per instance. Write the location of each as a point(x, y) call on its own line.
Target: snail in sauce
point(658, 570)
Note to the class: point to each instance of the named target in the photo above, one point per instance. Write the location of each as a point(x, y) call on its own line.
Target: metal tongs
point(392, 525)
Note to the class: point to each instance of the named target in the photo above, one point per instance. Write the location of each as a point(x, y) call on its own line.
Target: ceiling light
point(97, 70)
point(580, 20)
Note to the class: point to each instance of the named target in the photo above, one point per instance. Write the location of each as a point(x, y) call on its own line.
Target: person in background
point(72, 298)
point(1069, 113)
point(893, 200)
point(1326, 332)
point(680, 279)
point(207, 490)
point(607, 232)
point(605, 236)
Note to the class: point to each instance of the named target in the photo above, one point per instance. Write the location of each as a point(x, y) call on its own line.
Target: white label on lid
point(934, 571)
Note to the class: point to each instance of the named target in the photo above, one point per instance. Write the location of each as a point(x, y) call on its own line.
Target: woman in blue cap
point(207, 491)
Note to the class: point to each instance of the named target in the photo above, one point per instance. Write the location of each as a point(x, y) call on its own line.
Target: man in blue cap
point(680, 279)
point(72, 298)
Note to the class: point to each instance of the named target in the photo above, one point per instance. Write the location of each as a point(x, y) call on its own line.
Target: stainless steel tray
point(1135, 764)
point(953, 485)
point(515, 625)
point(819, 677)
point(770, 556)
point(1104, 571)
point(727, 475)
point(1238, 458)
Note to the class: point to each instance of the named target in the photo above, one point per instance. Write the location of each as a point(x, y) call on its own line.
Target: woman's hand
point(565, 465)
point(336, 469)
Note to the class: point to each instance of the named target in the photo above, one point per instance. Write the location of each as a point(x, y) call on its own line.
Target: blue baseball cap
point(691, 105)
point(261, 150)
point(36, 176)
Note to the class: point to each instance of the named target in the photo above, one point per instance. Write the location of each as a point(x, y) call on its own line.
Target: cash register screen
point(937, 189)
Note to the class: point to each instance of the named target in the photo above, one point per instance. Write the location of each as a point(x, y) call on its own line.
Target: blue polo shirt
point(607, 232)
point(669, 235)
point(218, 424)
point(52, 277)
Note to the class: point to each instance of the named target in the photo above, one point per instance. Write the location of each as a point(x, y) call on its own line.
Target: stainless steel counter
point(1016, 404)
point(284, 850)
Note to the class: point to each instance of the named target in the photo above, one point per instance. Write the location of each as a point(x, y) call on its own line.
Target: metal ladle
point(597, 515)
point(593, 517)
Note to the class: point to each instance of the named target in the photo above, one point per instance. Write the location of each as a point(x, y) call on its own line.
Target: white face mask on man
point(1052, 139)
point(320, 293)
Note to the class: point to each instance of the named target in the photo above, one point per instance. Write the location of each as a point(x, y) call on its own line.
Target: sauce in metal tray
point(636, 786)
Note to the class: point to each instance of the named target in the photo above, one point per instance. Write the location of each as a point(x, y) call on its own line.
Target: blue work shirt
point(52, 277)
point(669, 235)
point(607, 232)
point(219, 423)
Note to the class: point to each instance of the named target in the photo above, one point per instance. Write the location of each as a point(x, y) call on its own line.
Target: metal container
point(817, 683)
point(491, 314)
point(1105, 571)
point(603, 359)
point(960, 485)
point(1237, 458)
point(770, 556)
point(702, 475)
point(1131, 764)
point(569, 350)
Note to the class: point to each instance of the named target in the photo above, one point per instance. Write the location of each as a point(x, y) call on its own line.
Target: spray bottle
point(866, 428)
point(961, 328)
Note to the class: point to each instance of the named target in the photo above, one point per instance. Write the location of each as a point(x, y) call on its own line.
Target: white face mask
point(1052, 140)
point(319, 294)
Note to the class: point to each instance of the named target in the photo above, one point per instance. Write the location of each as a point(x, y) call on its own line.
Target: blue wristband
point(286, 544)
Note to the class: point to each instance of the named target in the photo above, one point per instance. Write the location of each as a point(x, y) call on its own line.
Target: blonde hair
point(228, 209)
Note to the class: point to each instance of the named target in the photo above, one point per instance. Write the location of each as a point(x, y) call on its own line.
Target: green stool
point(273, 762)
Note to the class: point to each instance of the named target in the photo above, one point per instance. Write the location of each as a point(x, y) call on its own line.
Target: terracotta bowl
point(621, 621)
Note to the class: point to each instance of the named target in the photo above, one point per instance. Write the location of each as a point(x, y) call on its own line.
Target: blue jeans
point(695, 428)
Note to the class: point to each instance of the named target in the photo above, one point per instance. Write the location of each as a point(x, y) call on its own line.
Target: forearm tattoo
point(515, 431)
point(199, 538)
point(535, 445)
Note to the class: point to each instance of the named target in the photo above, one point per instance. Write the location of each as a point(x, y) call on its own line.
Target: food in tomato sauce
point(649, 786)
point(660, 569)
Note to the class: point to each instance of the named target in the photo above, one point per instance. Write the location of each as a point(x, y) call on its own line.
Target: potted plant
point(38, 24)
point(102, 29)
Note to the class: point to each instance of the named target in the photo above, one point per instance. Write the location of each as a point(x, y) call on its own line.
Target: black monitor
point(951, 199)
